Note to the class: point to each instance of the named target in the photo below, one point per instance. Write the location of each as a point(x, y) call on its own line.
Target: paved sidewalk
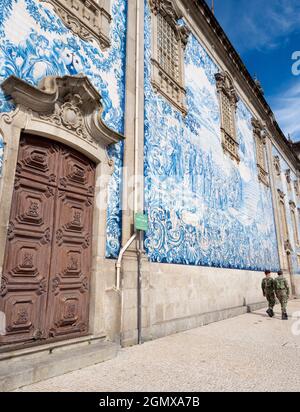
point(248, 353)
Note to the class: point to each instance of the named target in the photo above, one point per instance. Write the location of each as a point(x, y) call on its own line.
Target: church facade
point(113, 107)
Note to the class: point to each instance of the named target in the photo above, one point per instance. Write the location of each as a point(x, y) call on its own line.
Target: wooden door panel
point(24, 317)
point(27, 264)
point(73, 219)
point(27, 258)
point(70, 270)
point(31, 210)
point(38, 159)
point(69, 312)
point(77, 173)
point(45, 284)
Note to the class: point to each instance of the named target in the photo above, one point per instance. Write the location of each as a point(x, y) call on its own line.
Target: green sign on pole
point(141, 222)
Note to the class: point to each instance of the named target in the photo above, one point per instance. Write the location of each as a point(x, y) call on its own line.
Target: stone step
point(58, 361)
point(257, 306)
point(14, 352)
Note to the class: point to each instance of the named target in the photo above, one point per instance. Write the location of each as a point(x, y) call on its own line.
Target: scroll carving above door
point(70, 103)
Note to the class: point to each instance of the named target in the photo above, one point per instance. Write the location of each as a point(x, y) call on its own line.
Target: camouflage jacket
point(281, 284)
point(267, 285)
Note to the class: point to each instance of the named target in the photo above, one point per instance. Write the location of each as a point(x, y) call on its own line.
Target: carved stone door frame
point(68, 110)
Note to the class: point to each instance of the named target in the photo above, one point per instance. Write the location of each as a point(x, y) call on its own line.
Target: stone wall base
point(177, 298)
point(28, 366)
point(296, 283)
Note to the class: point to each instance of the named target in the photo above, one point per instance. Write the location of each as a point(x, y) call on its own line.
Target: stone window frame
point(295, 221)
point(283, 219)
point(260, 138)
point(288, 179)
point(170, 85)
point(89, 19)
point(296, 188)
point(277, 166)
point(228, 100)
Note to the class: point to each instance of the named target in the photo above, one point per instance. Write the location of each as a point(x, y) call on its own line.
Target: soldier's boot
point(285, 316)
point(270, 313)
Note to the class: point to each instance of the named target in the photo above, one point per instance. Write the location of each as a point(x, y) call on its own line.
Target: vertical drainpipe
point(139, 289)
point(119, 281)
point(138, 207)
point(137, 104)
point(136, 236)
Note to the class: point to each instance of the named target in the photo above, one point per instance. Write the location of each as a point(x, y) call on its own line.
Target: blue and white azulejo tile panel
point(204, 209)
point(34, 43)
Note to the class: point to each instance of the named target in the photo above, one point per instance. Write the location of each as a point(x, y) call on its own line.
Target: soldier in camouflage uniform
point(267, 286)
point(282, 291)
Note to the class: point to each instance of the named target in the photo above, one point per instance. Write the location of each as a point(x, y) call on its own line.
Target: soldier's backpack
point(280, 283)
point(269, 284)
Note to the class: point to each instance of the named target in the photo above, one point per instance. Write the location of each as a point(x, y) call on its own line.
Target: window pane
point(168, 56)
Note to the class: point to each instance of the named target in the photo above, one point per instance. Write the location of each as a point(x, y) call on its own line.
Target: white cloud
point(259, 24)
point(286, 107)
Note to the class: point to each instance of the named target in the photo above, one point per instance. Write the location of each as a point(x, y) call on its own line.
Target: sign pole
point(139, 288)
point(141, 226)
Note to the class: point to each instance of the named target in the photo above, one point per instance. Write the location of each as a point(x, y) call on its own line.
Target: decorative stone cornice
point(69, 102)
point(171, 10)
point(296, 149)
point(277, 166)
point(259, 86)
point(288, 176)
point(296, 187)
point(259, 130)
point(288, 247)
point(281, 194)
point(225, 84)
point(89, 19)
point(166, 7)
point(184, 33)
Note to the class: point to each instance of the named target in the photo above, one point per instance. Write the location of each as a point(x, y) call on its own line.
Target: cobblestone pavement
point(248, 353)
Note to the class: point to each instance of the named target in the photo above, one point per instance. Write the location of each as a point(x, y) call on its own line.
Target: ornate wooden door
point(45, 284)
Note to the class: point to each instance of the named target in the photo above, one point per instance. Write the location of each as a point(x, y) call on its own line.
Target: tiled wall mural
point(290, 195)
point(34, 43)
point(204, 209)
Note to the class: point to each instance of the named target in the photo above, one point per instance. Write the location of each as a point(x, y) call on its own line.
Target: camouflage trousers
point(271, 299)
point(283, 299)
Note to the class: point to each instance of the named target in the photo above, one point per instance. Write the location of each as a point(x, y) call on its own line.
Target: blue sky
point(266, 33)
